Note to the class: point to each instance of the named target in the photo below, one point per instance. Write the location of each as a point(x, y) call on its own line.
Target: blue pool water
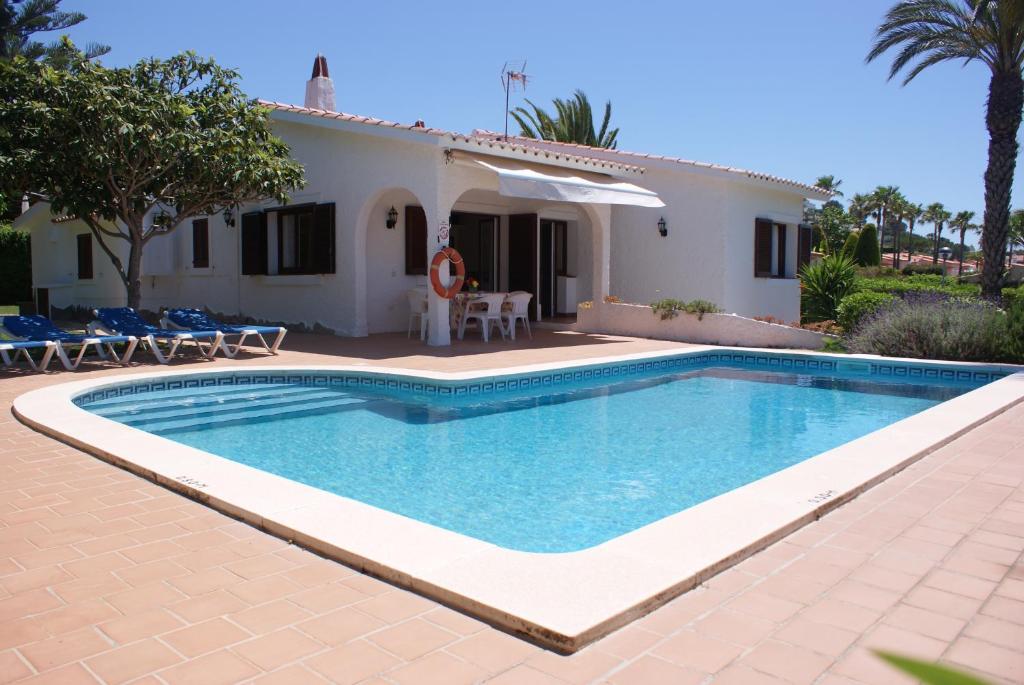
point(556, 470)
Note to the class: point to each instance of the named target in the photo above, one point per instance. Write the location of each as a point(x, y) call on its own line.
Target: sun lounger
point(10, 350)
point(197, 320)
point(39, 328)
point(126, 321)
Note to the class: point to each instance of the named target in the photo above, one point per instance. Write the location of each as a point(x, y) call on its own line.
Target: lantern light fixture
point(229, 217)
point(662, 227)
point(392, 217)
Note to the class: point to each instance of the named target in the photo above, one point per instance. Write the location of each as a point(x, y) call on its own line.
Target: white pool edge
point(562, 601)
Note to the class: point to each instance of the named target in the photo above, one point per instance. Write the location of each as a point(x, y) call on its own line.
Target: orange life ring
point(455, 260)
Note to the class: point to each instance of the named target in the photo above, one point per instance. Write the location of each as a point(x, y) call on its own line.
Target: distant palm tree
point(573, 123)
point(883, 199)
point(928, 32)
point(860, 207)
point(962, 222)
point(19, 20)
point(830, 183)
point(937, 216)
point(912, 213)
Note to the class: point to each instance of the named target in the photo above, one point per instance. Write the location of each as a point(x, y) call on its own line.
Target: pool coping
point(562, 601)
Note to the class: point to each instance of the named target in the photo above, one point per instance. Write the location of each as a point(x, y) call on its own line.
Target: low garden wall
point(640, 321)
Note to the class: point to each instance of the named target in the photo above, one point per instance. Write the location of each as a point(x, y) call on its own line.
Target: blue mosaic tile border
point(381, 381)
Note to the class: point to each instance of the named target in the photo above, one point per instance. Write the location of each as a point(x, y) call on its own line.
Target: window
point(84, 255)
point(770, 249)
point(200, 244)
point(305, 240)
point(254, 244)
point(415, 241)
point(803, 252)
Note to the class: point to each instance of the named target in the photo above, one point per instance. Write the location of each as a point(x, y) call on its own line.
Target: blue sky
point(778, 87)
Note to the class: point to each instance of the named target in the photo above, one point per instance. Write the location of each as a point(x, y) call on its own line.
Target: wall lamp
point(662, 227)
point(392, 218)
point(229, 217)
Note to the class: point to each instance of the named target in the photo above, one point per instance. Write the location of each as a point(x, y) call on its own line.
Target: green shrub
point(922, 270)
point(669, 308)
point(933, 327)
point(850, 246)
point(877, 272)
point(1015, 329)
point(15, 266)
point(823, 285)
point(868, 252)
point(858, 305)
point(917, 284)
point(1011, 295)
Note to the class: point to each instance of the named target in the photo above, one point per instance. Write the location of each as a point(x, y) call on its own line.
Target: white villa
point(568, 223)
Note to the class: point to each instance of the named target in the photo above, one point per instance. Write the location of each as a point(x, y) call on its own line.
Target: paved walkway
point(106, 577)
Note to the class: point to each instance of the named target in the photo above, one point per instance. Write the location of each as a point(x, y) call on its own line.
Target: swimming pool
point(557, 468)
point(612, 411)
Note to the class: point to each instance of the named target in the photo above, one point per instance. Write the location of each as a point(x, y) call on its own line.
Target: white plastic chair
point(517, 308)
point(417, 309)
point(486, 310)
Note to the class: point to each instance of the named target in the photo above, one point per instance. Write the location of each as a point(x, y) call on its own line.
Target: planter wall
point(639, 321)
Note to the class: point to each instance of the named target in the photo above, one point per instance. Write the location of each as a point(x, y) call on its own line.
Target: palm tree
point(574, 122)
point(883, 199)
point(992, 32)
point(20, 19)
point(936, 214)
point(860, 207)
point(911, 212)
point(962, 222)
point(831, 184)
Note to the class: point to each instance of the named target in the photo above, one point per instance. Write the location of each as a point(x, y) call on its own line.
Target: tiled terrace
point(108, 578)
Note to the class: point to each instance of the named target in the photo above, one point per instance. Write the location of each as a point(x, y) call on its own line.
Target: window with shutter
point(200, 244)
point(762, 248)
point(254, 244)
point(323, 239)
point(806, 237)
point(780, 242)
point(84, 244)
point(415, 241)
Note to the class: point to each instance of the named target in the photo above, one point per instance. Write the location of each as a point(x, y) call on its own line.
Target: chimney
point(320, 88)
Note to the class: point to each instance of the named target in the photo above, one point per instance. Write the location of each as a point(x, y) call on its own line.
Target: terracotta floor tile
point(940, 602)
point(197, 583)
point(133, 661)
point(734, 627)
point(841, 614)
point(294, 675)
point(628, 642)
point(256, 567)
point(1004, 608)
point(351, 662)
point(648, 670)
point(73, 674)
point(12, 667)
point(139, 625)
point(786, 661)
point(988, 658)
point(698, 652)
point(454, 621)
point(341, 626)
point(21, 631)
point(744, 675)
point(396, 606)
point(64, 649)
point(412, 639)
point(145, 597)
point(32, 579)
point(278, 649)
point(27, 604)
point(492, 650)
point(270, 616)
point(586, 666)
point(864, 595)
point(264, 589)
point(437, 669)
point(219, 668)
point(205, 637)
point(207, 606)
point(905, 642)
point(153, 571)
point(925, 622)
point(327, 597)
point(764, 605)
point(1002, 633)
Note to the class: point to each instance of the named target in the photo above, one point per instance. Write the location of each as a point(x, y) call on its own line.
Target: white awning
point(539, 182)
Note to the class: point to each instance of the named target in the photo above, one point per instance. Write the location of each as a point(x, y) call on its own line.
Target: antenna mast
point(512, 73)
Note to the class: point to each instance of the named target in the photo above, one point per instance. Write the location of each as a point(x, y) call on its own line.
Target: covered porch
point(524, 226)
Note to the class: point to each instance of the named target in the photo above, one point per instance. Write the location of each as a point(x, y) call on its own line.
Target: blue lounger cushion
point(127, 321)
point(197, 320)
point(39, 328)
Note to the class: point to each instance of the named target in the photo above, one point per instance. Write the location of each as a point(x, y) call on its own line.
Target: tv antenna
point(513, 75)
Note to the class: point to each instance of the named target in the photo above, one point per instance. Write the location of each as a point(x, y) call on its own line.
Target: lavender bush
point(936, 326)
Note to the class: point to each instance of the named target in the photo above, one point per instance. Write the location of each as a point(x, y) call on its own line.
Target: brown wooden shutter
point(780, 270)
point(84, 243)
point(254, 244)
point(805, 239)
point(762, 248)
point(323, 239)
point(415, 241)
point(200, 244)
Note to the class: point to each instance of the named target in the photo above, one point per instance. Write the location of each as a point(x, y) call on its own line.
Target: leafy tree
point(868, 252)
point(927, 32)
point(573, 123)
point(962, 222)
point(830, 183)
point(15, 265)
point(135, 151)
point(937, 216)
point(860, 207)
point(912, 213)
point(20, 20)
point(834, 224)
point(1016, 237)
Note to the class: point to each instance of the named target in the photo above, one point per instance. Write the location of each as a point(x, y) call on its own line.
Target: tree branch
point(97, 232)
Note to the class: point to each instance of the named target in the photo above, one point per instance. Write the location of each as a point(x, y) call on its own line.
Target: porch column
point(438, 211)
point(600, 230)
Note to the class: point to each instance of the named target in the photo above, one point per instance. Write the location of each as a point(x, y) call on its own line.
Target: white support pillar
point(600, 231)
point(438, 211)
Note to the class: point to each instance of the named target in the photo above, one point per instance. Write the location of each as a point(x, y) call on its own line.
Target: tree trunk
point(897, 247)
point(134, 283)
point(960, 271)
point(910, 242)
point(1002, 118)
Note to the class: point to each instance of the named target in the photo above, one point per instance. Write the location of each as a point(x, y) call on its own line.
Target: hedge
point(15, 266)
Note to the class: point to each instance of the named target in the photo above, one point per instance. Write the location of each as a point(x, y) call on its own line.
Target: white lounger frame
point(152, 343)
point(10, 360)
point(231, 350)
point(72, 364)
